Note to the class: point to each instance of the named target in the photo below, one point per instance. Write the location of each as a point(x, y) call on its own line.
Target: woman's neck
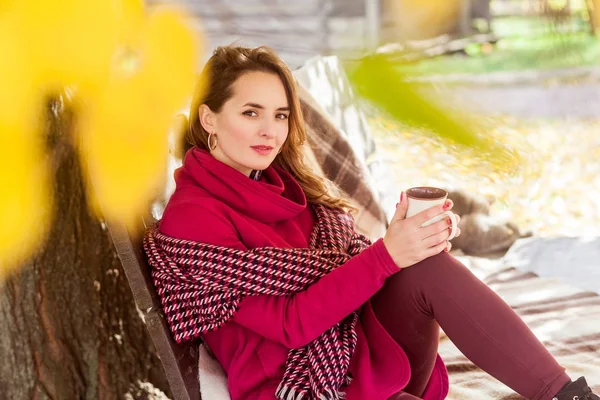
point(255, 174)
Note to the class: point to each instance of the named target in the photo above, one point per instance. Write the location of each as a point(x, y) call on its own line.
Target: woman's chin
point(260, 167)
point(260, 164)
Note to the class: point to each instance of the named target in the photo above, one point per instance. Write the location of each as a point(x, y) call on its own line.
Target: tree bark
point(69, 328)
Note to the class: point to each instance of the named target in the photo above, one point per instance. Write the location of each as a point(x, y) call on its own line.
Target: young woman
point(258, 257)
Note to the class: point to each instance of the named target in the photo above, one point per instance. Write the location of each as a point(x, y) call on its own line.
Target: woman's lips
point(262, 150)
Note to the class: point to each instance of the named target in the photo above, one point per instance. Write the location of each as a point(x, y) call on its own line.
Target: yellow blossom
point(130, 73)
point(25, 202)
point(124, 138)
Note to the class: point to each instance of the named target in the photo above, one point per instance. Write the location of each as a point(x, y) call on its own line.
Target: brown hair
point(214, 88)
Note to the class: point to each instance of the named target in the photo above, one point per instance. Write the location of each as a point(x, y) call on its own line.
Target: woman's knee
point(413, 283)
point(440, 265)
point(430, 274)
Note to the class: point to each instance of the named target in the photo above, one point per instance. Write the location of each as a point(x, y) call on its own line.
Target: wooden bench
point(180, 362)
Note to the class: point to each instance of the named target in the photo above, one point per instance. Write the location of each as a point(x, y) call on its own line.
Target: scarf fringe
point(289, 393)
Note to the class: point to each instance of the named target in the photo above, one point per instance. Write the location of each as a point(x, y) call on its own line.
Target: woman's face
point(252, 125)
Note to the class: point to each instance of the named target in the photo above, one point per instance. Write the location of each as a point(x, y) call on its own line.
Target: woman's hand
point(408, 243)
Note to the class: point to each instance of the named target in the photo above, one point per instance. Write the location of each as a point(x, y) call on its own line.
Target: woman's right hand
point(408, 242)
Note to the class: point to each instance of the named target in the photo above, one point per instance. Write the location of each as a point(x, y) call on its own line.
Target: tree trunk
point(69, 328)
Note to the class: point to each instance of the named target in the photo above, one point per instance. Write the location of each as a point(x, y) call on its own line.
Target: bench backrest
point(180, 362)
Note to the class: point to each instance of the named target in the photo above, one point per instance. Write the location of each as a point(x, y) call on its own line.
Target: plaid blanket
point(333, 157)
point(565, 319)
point(341, 146)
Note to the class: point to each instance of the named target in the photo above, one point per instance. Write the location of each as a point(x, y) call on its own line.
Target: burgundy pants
point(440, 290)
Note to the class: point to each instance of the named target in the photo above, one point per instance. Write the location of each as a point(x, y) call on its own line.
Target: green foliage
point(525, 43)
point(378, 81)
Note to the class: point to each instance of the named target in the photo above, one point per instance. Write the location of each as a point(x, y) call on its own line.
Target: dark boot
point(578, 390)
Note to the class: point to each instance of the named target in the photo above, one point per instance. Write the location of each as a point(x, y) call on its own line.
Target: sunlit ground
point(555, 192)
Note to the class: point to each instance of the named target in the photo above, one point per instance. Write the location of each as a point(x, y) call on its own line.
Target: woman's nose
point(268, 129)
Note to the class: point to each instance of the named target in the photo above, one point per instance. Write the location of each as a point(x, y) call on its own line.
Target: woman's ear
point(207, 118)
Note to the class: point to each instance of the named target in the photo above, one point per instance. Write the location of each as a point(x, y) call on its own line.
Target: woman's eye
point(282, 116)
point(250, 113)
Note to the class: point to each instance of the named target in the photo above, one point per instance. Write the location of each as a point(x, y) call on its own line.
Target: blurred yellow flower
point(131, 73)
point(25, 202)
point(169, 50)
point(124, 136)
point(123, 147)
point(72, 42)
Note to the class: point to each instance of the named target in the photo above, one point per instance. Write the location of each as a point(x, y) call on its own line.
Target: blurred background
point(527, 70)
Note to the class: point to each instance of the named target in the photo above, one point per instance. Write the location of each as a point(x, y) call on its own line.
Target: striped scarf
point(201, 286)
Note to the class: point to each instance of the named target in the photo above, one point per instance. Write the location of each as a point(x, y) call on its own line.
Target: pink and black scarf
point(201, 286)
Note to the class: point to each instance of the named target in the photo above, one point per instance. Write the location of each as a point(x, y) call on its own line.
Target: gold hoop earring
point(212, 147)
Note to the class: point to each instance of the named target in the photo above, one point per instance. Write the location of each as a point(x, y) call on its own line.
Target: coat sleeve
point(297, 319)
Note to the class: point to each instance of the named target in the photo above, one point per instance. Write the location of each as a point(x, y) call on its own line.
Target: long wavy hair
point(214, 88)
